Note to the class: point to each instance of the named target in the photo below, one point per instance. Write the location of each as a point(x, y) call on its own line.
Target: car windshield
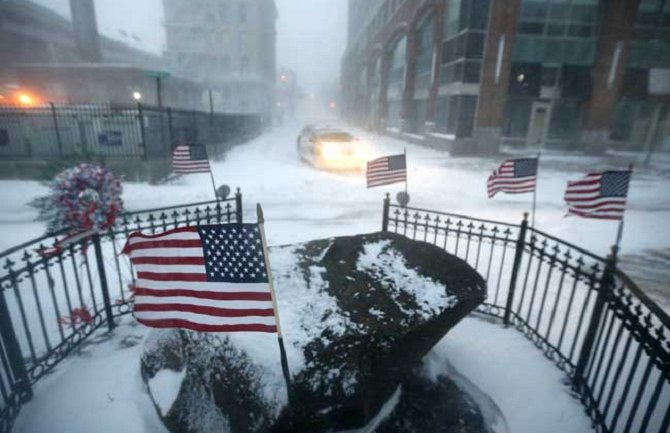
point(339, 137)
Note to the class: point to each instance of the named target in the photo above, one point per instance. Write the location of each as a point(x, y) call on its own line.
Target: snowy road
point(302, 203)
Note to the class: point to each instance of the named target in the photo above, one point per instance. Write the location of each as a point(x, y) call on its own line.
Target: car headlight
point(330, 151)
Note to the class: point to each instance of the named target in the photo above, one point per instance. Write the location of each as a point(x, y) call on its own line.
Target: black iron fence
point(49, 303)
point(578, 308)
point(53, 132)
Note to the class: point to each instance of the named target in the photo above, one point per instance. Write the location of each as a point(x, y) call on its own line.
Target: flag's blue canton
point(233, 253)
point(525, 167)
point(397, 162)
point(614, 183)
point(197, 152)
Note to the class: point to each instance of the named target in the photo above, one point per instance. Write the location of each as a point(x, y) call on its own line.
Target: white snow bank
point(164, 387)
point(97, 389)
point(529, 389)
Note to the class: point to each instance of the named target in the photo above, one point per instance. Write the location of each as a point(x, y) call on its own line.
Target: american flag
point(387, 170)
point(190, 159)
point(208, 278)
point(599, 195)
point(514, 176)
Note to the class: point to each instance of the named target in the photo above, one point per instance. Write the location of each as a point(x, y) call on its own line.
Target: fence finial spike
point(525, 216)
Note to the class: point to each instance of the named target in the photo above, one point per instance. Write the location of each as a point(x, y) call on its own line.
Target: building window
point(565, 119)
point(242, 41)
point(463, 45)
point(453, 19)
point(242, 13)
point(456, 114)
point(560, 31)
point(424, 45)
point(650, 41)
point(223, 13)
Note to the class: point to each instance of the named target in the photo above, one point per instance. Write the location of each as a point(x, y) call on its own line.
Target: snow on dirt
point(380, 259)
point(103, 388)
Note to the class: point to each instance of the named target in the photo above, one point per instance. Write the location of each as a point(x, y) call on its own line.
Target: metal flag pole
point(211, 176)
point(280, 339)
point(405, 152)
point(619, 234)
point(537, 171)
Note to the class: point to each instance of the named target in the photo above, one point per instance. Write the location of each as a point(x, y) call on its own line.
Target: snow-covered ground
point(102, 383)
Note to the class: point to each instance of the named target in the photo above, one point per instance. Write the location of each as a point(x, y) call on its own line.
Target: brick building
point(474, 75)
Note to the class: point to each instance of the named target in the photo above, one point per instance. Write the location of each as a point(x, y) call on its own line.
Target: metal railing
point(49, 303)
point(576, 307)
point(52, 132)
point(579, 309)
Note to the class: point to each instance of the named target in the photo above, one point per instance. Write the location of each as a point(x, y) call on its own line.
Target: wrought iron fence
point(581, 311)
point(578, 308)
point(50, 302)
point(53, 132)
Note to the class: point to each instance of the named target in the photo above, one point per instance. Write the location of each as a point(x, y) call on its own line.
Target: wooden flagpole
point(280, 339)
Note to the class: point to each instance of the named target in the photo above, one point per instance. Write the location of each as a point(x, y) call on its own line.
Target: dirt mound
point(359, 313)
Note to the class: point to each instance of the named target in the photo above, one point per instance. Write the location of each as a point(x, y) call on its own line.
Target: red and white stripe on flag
point(514, 176)
point(386, 170)
point(599, 195)
point(188, 159)
point(207, 278)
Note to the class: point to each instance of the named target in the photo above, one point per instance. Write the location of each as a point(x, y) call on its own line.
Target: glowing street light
point(332, 105)
point(25, 99)
point(137, 96)
point(284, 77)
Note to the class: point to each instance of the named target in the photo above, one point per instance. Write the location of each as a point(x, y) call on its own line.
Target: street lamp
point(25, 99)
point(137, 96)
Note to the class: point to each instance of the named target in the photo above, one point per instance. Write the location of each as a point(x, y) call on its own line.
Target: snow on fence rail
point(579, 309)
point(49, 303)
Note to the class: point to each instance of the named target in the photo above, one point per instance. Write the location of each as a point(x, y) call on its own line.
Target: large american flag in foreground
point(386, 170)
point(599, 195)
point(514, 176)
point(207, 278)
point(190, 159)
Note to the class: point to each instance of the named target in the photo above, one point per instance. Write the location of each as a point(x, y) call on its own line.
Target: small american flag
point(387, 170)
point(190, 159)
point(514, 176)
point(207, 278)
point(599, 195)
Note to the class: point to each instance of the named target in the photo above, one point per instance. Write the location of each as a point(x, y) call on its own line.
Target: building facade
point(49, 58)
point(227, 46)
point(474, 75)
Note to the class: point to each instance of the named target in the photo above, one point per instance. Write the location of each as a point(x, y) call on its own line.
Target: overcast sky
point(311, 34)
